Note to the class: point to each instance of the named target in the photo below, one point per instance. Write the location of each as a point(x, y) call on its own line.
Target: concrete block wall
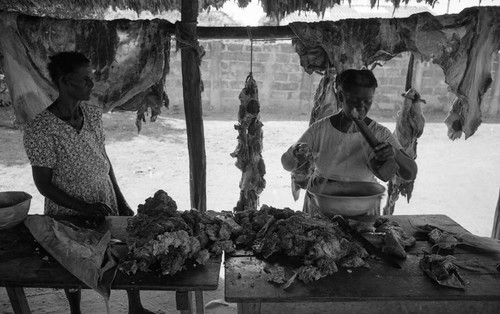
point(285, 88)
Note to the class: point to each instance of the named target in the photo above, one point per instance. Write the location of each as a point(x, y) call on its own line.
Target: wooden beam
point(191, 83)
point(239, 32)
point(257, 32)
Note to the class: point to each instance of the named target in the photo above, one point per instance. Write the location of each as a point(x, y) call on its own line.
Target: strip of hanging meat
point(248, 152)
point(410, 124)
point(325, 100)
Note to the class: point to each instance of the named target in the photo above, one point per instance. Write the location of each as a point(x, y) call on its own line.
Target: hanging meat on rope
point(129, 59)
point(248, 152)
point(325, 100)
point(410, 124)
point(462, 44)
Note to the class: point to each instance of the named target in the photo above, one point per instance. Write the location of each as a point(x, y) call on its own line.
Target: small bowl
point(14, 207)
point(347, 198)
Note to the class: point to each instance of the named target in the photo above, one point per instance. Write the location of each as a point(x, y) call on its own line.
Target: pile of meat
point(320, 245)
point(166, 240)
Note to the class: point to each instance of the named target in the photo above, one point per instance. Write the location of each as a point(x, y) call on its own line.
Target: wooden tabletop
point(245, 280)
point(24, 264)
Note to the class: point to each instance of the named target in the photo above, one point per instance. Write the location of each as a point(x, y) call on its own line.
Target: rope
point(249, 32)
point(183, 39)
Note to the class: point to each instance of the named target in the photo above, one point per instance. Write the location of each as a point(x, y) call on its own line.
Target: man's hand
point(383, 151)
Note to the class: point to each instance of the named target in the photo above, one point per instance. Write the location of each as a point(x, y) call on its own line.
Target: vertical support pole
point(495, 233)
point(191, 85)
point(184, 301)
point(18, 300)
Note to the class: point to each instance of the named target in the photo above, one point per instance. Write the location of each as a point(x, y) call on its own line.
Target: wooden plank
point(191, 85)
point(386, 307)
point(18, 250)
point(245, 281)
point(245, 277)
point(18, 300)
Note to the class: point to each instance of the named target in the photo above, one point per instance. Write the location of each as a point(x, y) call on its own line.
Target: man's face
point(357, 101)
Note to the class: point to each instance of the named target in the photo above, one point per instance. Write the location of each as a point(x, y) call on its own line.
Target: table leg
point(199, 303)
point(249, 308)
point(18, 300)
point(184, 301)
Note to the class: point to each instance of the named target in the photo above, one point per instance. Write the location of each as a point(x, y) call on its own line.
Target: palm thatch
point(78, 9)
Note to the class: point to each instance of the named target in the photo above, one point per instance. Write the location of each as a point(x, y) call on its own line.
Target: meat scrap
point(442, 269)
point(248, 152)
point(396, 240)
point(305, 159)
point(461, 44)
point(410, 124)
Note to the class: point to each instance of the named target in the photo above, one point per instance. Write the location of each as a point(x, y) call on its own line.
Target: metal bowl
point(14, 207)
point(346, 198)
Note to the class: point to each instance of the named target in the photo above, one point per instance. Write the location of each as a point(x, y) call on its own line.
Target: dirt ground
point(456, 178)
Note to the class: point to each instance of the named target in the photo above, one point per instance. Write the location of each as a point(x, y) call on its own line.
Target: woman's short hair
point(64, 63)
point(350, 78)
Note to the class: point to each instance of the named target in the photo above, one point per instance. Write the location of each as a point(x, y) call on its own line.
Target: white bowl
point(14, 207)
point(346, 198)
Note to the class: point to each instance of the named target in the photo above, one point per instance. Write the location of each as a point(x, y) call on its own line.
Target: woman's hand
point(125, 210)
point(383, 151)
point(97, 209)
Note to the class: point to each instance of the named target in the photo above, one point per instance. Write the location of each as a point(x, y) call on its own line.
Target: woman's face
point(357, 102)
point(79, 83)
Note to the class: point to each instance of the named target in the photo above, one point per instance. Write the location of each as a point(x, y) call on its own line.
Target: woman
point(65, 146)
point(342, 153)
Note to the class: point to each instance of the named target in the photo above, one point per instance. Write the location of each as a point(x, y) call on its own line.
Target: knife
point(372, 249)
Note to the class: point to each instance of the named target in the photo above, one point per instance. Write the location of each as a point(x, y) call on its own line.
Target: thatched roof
point(96, 8)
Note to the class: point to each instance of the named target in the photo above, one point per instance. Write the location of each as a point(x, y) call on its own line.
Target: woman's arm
point(407, 166)
point(123, 207)
point(43, 182)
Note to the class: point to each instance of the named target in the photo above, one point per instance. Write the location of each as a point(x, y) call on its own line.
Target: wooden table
point(381, 288)
point(21, 265)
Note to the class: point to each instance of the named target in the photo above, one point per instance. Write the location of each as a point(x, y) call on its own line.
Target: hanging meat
point(455, 119)
point(248, 152)
point(130, 60)
point(410, 124)
point(325, 100)
point(461, 44)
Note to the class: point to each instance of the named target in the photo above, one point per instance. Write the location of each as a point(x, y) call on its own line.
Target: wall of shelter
point(284, 87)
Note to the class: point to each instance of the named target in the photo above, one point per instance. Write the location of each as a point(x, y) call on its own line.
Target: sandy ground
point(456, 178)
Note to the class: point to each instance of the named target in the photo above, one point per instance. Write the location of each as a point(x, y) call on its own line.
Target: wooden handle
point(363, 128)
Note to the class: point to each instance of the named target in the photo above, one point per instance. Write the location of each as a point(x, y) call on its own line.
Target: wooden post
point(18, 300)
point(495, 99)
point(191, 84)
point(495, 233)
